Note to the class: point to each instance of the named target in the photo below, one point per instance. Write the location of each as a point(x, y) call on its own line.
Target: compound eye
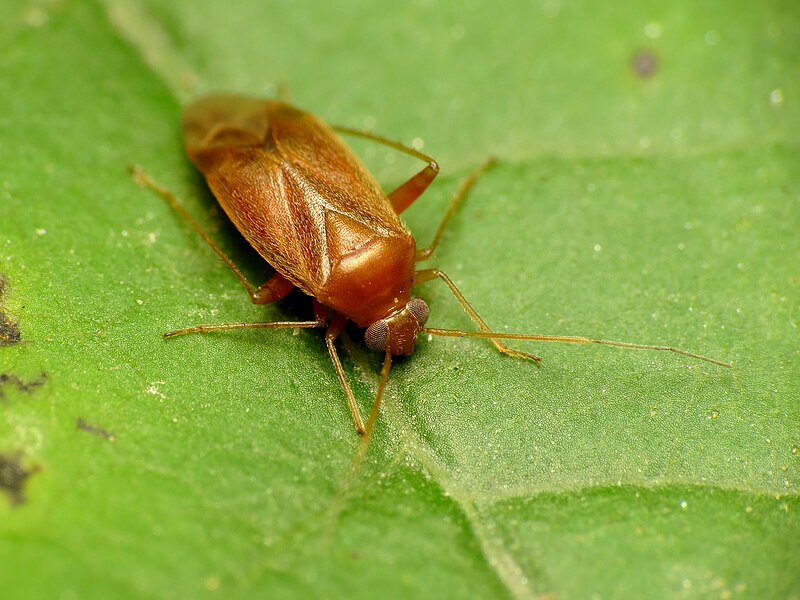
point(377, 336)
point(419, 310)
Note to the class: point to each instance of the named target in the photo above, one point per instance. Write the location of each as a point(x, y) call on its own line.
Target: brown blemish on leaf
point(9, 379)
point(14, 476)
point(644, 64)
point(95, 430)
point(9, 329)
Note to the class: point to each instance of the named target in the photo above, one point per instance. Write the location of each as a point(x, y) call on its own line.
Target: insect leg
point(335, 327)
point(428, 274)
point(406, 193)
point(262, 325)
point(462, 192)
point(275, 288)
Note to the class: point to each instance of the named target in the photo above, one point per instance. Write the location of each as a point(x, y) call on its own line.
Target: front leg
point(335, 327)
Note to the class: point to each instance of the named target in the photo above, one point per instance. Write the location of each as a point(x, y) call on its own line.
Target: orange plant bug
point(309, 207)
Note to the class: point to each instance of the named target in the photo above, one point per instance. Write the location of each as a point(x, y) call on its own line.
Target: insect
point(307, 205)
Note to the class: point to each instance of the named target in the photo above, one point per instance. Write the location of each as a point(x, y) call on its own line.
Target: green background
point(654, 204)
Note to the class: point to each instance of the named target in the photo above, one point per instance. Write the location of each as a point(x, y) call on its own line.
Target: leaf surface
point(647, 190)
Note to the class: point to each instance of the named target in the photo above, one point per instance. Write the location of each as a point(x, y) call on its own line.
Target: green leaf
point(647, 190)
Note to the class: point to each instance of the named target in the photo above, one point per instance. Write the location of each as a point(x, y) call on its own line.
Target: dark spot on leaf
point(14, 476)
point(9, 329)
point(644, 64)
point(95, 430)
point(26, 387)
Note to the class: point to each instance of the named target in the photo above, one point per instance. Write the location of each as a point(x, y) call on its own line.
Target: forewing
point(288, 183)
point(320, 158)
point(270, 211)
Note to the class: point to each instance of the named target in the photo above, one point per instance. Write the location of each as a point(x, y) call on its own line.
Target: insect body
point(312, 211)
